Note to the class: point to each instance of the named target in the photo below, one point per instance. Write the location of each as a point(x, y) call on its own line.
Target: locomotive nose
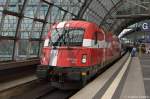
point(76, 57)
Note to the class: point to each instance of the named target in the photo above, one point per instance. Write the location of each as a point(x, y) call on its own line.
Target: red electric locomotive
point(74, 51)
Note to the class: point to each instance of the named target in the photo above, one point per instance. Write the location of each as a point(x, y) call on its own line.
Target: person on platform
point(133, 52)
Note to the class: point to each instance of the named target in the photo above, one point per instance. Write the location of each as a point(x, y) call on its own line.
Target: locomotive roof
point(74, 23)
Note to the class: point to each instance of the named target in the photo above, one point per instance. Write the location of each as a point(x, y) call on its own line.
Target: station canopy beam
point(136, 16)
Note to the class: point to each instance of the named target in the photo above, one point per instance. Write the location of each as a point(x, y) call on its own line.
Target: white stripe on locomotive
point(53, 57)
point(100, 44)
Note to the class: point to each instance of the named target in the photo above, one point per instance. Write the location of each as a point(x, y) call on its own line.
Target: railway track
point(32, 88)
point(14, 74)
point(24, 89)
point(13, 70)
point(41, 90)
point(17, 64)
point(58, 94)
point(15, 87)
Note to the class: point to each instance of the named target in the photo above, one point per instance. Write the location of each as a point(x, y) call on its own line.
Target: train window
point(67, 37)
point(96, 37)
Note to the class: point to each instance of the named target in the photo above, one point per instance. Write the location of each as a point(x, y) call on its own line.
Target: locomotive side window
point(96, 37)
point(67, 37)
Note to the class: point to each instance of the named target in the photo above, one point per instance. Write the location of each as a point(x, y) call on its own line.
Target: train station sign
point(145, 26)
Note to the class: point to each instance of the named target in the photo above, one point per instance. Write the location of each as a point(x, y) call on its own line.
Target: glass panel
point(42, 11)
point(86, 14)
point(50, 1)
point(131, 7)
point(23, 48)
point(106, 26)
point(15, 5)
point(97, 8)
point(9, 27)
point(74, 7)
point(26, 27)
point(6, 49)
point(34, 49)
point(2, 4)
point(109, 21)
point(68, 16)
point(0, 16)
point(45, 31)
point(55, 1)
point(90, 16)
point(115, 1)
point(56, 14)
point(28, 49)
point(31, 8)
point(65, 4)
point(82, 1)
point(108, 4)
point(40, 49)
point(36, 31)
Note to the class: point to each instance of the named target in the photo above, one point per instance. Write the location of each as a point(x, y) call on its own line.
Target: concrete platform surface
point(134, 85)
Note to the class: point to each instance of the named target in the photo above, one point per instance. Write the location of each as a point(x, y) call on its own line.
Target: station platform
point(123, 80)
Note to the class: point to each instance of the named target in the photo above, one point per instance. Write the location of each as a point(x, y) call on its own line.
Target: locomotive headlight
point(83, 73)
point(84, 58)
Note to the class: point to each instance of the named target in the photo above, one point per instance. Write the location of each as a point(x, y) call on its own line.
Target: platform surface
point(145, 64)
point(134, 85)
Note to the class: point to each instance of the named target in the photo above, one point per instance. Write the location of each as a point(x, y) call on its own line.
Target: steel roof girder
point(83, 8)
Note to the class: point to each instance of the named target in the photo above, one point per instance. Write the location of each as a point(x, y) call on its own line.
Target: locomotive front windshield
point(66, 37)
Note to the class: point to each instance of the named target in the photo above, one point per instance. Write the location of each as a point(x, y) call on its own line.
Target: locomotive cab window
point(67, 37)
